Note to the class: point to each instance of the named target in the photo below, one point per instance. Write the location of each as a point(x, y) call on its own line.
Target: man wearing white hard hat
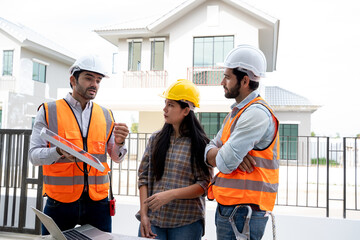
point(245, 151)
point(77, 193)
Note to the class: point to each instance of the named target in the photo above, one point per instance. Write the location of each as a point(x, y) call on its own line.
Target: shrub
point(322, 161)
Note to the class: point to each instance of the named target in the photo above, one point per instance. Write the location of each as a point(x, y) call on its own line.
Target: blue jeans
point(82, 211)
point(193, 231)
point(223, 226)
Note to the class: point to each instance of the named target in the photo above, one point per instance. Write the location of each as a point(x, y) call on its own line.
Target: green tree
point(134, 127)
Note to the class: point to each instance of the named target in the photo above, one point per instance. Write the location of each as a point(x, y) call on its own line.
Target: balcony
point(145, 79)
point(205, 76)
point(7, 83)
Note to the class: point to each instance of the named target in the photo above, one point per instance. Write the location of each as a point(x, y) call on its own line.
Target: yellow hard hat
point(183, 89)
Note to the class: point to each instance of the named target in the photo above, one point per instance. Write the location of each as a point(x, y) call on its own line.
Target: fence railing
point(145, 79)
point(322, 173)
point(7, 83)
point(209, 76)
point(20, 183)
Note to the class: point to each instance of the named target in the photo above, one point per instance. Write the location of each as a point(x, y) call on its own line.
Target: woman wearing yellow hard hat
point(173, 176)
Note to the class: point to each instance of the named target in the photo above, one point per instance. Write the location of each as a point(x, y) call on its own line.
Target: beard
point(232, 92)
point(83, 91)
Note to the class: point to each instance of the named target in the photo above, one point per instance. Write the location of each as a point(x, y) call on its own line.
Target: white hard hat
point(89, 63)
point(249, 59)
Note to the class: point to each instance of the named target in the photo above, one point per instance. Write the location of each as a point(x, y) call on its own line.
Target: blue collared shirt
point(254, 129)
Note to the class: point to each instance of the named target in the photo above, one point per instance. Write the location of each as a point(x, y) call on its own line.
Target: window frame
point(289, 135)
point(154, 52)
point(212, 40)
point(41, 76)
point(8, 64)
point(208, 127)
point(131, 43)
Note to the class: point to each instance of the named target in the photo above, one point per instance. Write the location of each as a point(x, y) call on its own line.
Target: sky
point(318, 48)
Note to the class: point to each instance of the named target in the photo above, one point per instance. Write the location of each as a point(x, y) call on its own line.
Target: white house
point(32, 69)
point(190, 41)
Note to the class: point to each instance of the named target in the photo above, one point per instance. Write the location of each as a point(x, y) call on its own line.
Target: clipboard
point(72, 149)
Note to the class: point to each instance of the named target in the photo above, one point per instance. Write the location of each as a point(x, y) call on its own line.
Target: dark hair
point(240, 75)
point(76, 76)
point(189, 127)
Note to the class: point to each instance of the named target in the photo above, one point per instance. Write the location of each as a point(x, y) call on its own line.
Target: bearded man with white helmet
point(76, 192)
point(245, 151)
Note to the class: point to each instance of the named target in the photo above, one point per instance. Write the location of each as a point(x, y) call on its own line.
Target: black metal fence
point(315, 172)
point(20, 184)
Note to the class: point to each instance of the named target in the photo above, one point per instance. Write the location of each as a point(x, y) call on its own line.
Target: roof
point(280, 98)
point(36, 42)
point(146, 27)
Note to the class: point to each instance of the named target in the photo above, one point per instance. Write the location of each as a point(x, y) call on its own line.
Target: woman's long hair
point(189, 127)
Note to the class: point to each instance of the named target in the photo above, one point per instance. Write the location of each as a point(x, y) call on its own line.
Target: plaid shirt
point(177, 174)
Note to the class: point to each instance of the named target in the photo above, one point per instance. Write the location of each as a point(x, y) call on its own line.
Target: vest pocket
point(61, 177)
point(97, 147)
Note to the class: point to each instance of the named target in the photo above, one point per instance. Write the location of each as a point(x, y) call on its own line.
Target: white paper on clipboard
point(72, 149)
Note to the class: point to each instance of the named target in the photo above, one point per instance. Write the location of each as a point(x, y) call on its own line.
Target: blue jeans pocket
point(223, 227)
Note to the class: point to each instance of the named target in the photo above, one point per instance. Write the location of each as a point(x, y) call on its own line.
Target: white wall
point(57, 76)
point(301, 118)
point(195, 24)
point(20, 106)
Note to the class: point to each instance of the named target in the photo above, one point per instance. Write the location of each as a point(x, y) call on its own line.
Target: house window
point(157, 55)
point(32, 122)
point(211, 122)
point(288, 141)
point(209, 51)
point(134, 55)
point(115, 63)
point(8, 56)
point(39, 72)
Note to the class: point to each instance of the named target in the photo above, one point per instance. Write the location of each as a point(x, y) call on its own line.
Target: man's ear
point(246, 81)
point(72, 81)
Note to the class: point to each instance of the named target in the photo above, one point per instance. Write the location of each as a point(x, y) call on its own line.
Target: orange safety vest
point(258, 187)
point(63, 180)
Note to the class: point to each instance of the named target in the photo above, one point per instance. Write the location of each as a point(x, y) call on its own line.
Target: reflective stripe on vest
point(64, 181)
point(258, 187)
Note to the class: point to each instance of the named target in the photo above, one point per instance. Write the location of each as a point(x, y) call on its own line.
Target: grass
point(322, 161)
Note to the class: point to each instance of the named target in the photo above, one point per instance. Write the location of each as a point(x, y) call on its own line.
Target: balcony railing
point(7, 83)
point(210, 76)
point(145, 79)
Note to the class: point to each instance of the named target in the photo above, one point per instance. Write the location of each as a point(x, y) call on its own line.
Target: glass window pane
point(208, 51)
point(211, 122)
point(42, 73)
point(137, 56)
point(157, 55)
point(130, 56)
point(289, 141)
point(134, 56)
point(35, 71)
point(218, 52)
point(8, 62)
point(198, 54)
point(208, 54)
